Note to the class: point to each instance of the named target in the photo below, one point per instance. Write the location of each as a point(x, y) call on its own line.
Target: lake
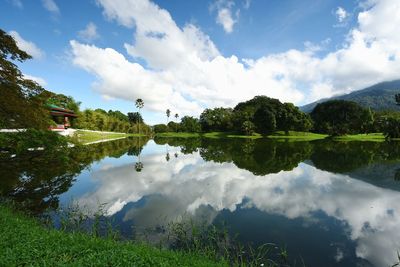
point(328, 203)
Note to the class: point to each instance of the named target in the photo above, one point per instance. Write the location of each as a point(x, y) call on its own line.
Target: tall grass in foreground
point(183, 235)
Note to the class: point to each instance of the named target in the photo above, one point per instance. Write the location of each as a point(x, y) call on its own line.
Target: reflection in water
point(36, 179)
point(333, 203)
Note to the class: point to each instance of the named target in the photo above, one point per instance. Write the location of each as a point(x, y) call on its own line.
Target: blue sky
point(189, 55)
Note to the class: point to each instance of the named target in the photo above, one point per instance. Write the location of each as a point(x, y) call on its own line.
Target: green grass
point(375, 137)
point(24, 242)
point(88, 137)
point(277, 135)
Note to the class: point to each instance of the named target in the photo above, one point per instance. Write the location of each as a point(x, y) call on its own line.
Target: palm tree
point(176, 117)
point(168, 114)
point(139, 105)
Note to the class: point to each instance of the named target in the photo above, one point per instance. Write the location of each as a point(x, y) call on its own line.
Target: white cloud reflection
point(185, 184)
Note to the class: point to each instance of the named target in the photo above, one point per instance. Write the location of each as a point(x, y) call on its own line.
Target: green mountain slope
point(378, 97)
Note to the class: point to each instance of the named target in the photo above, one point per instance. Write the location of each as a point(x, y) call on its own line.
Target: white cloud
point(225, 15)
point(51, 6)
point(185, 71)
point(341, 14)
point(39, 80)
point(27, 46)
point(89, 34)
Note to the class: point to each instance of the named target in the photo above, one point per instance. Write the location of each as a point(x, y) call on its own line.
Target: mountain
point(378, 97)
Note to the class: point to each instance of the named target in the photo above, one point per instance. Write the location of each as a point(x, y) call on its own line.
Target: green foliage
point(218, 119)
point(287, 116)
point(139, 103)
point(23, 242)
point(190, 124)
point(113, 121)
point(392, 128)
point(160, 128)
point(397, 98)
point(135, 117)
point(17, 143)
point(63, 101)
point(21, 100)
point(340, 117)
point(248, 128)
point(264, 120)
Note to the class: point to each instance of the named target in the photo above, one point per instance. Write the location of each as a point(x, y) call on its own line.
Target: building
point(62, 117)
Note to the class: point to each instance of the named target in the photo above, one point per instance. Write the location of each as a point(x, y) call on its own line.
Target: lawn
point(277, 135)
point(89, 137)
point(24, 242)
point(375, 137)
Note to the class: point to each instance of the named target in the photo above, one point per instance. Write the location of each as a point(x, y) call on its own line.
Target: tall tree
point(176, 117)
point(397, 97)
point(139, 105)
point(21, 100)
point(168, 112)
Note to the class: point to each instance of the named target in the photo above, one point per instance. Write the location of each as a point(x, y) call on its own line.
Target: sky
point(188, 55)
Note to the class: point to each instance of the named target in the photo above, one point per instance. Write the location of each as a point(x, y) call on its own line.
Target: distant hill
point(378, 97)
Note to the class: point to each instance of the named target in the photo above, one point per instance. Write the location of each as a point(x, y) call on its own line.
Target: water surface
point(330, 203)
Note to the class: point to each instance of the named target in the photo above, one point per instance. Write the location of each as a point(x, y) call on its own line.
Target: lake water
point(330, 203)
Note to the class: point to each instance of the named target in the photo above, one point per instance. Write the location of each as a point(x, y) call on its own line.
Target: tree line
point(266, 115)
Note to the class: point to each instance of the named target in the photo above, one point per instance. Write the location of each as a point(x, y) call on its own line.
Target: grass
point(24, 242)
point(374, 137)
point(89, 137)
point(277, 135)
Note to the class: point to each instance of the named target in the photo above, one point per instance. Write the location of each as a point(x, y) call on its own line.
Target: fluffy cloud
point(185, 71)
point(27, 46)
point(225, 15)
point(51, 6)
point(341, 14)
point(89, 34)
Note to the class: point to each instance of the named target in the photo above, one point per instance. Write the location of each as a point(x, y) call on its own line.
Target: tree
point(176, 117)
point(248, 128)
point(22, 101)
point(190, 124)
point(339, 117)
point(217, 119)
point(139, 105)
point(264, 120)
point(168, 112)
point(392, 128)
point(397, 97)
point(135, 117)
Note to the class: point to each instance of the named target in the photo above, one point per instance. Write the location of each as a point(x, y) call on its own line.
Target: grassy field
point(375, 137)
point(24, 242)
point(89, 137)
point(277, 135)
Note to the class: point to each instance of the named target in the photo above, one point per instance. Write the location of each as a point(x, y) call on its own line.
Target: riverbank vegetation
point(23, 241)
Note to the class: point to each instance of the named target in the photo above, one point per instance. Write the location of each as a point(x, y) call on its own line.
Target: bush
point(392, 128)
point(248, 128)
point(31, 138)
point(160, 128)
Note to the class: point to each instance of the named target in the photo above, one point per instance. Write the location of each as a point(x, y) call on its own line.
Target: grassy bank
point(372, 137)
point(89, 137)
point(277, 135)
point(24, 242)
